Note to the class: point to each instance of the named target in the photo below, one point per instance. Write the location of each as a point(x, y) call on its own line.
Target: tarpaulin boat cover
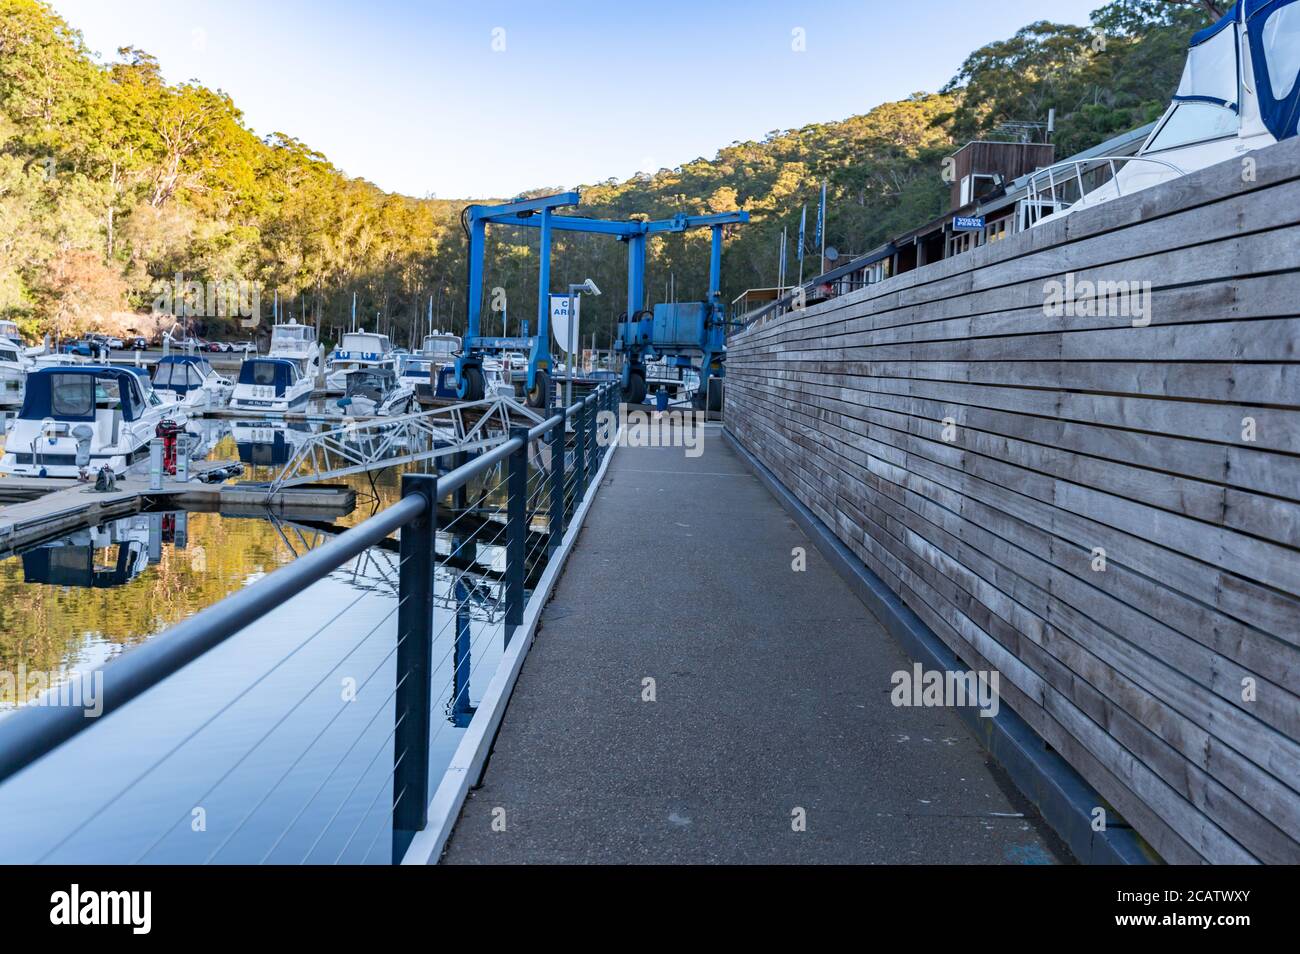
point(71, 392)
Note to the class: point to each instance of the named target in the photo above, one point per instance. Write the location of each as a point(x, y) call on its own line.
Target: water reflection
point(105, 556)
point(283, 734)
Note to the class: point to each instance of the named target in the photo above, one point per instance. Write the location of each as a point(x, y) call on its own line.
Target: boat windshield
point(7, 355)
point(1193, 122)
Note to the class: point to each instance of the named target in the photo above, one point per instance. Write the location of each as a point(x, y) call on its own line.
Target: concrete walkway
point(771, 702)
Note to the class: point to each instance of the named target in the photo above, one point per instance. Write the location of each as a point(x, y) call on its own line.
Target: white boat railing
point(1072, 171)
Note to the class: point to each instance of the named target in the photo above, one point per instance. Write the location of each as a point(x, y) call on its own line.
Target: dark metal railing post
point(516, 531)
point(589, 444)
point(557, 522)
point(604, 403)
point(461, 709)
point(414, 661)
point(579, 460)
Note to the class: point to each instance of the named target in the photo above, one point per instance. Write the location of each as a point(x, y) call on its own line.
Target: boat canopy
point(181, 373)
point(291, 334)
point(1210, 74)
point(75, 392)
point(279, 373)
point(440, 345)
point(1273, 32)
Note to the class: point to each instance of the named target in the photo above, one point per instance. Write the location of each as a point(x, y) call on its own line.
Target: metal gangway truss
point(376, 443)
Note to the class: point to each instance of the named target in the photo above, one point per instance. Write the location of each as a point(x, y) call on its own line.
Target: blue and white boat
point(270, 386)
point(76, 419)
point(359, 349)
point(1240, 91)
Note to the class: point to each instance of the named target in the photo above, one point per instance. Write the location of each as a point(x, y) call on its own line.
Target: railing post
point(516, 531)
point(557, 522)
point(414, 661)
point(609, 408)
point(579, 461)
point(589, 445)
point(461, 710)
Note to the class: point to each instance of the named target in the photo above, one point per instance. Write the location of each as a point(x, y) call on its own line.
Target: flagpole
point(803, 225)
point(822, 216)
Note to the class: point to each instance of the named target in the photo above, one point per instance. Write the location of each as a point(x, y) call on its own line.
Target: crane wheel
point(636, 387)
point(470, 386)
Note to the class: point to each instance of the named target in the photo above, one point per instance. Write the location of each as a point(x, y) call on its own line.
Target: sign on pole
point(560, 320)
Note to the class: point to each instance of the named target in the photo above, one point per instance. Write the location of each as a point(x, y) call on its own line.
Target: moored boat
point(190, 380)
point(359, 349)
point(375, 391)
point(270, 385)
point(76, 419)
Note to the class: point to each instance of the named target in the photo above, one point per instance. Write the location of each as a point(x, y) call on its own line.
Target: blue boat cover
point(265, 372)
point(1273, 31)
point(71, 393)
point(181, 373)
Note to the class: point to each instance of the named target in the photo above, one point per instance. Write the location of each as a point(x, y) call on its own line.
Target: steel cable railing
point(496, 547)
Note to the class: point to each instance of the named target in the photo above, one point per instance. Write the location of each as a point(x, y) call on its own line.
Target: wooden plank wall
point(1171, 679)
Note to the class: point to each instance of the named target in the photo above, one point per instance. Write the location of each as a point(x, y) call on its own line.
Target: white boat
point(270, 385)
point(55, 360)
point(359, 349)
point(1240, 91)
point(375, 392)
point(297, 342)
point(76, 419)
point(190, 380)
point(14, 366)
point(420, 370)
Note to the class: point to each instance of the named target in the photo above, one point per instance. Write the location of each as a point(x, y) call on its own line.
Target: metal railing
point(545, 472)
point(1070, 172)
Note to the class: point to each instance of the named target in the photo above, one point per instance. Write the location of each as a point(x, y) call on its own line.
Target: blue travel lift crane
point(680, 331)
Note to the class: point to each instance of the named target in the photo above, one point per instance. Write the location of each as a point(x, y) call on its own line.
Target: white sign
point(560, 320)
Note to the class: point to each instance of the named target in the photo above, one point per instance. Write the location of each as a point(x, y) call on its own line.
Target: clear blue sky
point(411, 94)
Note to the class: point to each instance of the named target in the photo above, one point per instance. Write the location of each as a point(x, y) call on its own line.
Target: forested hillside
point(112, 181)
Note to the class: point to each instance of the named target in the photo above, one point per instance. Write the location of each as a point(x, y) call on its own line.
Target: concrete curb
point(1061, 795)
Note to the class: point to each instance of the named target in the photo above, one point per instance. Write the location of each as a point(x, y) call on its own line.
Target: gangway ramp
point(375, 443)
